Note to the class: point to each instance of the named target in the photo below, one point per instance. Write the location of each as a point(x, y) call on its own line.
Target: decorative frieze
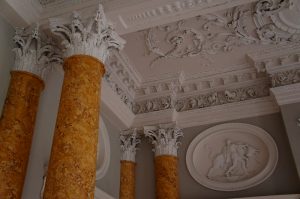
point(124, 96)
point(222, 97)
point(95, 38)
point(165, 139)
point(285, 77)
point(151, 105)
point(33, 55)
point(129, 141)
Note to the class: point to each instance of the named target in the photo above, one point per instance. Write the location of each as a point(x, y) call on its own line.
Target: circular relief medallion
point(232, 157)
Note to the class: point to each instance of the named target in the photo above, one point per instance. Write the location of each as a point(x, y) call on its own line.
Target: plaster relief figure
point(231, 164)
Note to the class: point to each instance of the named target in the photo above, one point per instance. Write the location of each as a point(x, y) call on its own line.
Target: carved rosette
point(164, 138)
point(32, 54)
point(129, 141)
point(95, 38)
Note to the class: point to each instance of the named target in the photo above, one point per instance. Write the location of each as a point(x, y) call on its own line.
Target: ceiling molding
point(210, 115)
point(288, 94)
point(127, 19)
point(227, 112)
point(114, 109)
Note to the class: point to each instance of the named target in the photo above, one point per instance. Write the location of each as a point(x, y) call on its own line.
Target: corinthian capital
point(95, 38)
point(129, 141)
point(32, 54)
point(165, 139)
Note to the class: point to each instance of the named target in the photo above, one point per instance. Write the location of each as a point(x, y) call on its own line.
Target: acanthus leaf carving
point(32, 54)
point(150, 105)
point(221, 97)
point(129, 142)
point(95, 38)
point(285, 77)
point(165, 139)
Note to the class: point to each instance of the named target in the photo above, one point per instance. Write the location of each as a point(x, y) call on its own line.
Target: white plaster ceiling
point(210, 44)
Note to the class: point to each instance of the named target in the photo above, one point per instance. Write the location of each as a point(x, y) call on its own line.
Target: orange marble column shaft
point(127, 182)
point(166, 176)
point(72, 167)
point(16, 131)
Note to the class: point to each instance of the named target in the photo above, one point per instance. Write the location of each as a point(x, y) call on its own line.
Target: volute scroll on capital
point(34, 54)
point(129, 142)
point(165, 139)
point(94, 38)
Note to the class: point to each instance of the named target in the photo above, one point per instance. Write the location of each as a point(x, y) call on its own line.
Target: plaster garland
point(95, 38)
point(129, 142)
point(32, 54)
point(164, 138)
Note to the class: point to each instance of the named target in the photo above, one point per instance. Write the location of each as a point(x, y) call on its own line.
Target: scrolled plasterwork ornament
point(118, 90)
point(95, 38)
point(32, 54)
point(129, 142)
point(151, 105)
point(221, 97)
point(223, 31)
point(285, 78)
point(164, 138)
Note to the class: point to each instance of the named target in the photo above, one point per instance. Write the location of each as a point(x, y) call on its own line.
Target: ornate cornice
point(222, 97)
point(151, 105)
point(95, 38)
point(129, 141)
point(165, 139)
point(34, 55)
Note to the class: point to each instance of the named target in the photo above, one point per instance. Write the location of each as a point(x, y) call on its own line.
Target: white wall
point(6, 58)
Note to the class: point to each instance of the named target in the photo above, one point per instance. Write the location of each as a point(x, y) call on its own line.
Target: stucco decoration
point(151, 105)
point(232, 157)
point(272, 22)
point(129, 141)
point(222, 97)
point(165, 139)
point(285, 77)
point(32, 54)
point(95, 38)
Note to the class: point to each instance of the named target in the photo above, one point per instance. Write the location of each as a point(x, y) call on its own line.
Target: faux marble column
point(129, 141)
point(72, 166)
point(165, 141)
point(19, 111)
